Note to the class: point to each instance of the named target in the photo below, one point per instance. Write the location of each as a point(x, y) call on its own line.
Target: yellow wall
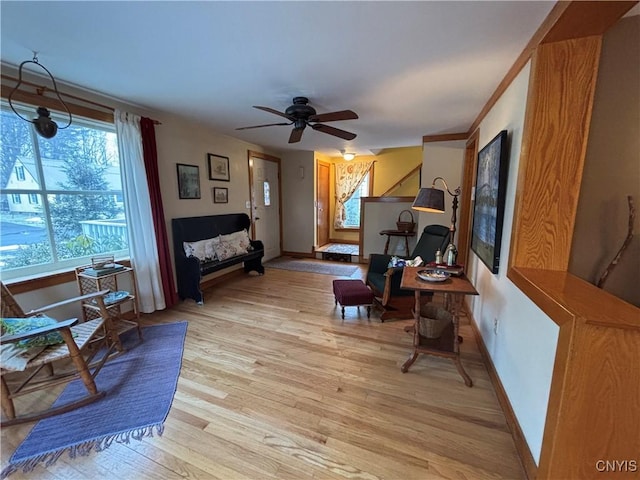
point(391, 165)
point(409, 188)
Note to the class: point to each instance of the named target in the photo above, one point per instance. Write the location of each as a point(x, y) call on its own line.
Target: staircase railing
point(399, 183)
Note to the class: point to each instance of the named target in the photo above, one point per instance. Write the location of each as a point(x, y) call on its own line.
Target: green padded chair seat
point(387, 286)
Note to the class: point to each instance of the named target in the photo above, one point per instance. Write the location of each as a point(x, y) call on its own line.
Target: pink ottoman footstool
point(352, 293)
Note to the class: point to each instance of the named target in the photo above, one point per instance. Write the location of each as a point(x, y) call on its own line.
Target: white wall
point(181, 141)
point(298, 201)
point(523, 346)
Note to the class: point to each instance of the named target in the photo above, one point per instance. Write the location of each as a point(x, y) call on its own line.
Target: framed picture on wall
point(220, 195)
point(188, 181)
point(218, 167)
point(488, 210)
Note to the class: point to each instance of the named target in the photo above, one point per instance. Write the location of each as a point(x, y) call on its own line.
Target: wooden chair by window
point(27, 351)
point(385, 281)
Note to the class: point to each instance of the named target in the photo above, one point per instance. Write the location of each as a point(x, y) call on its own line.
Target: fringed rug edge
point(82, 449)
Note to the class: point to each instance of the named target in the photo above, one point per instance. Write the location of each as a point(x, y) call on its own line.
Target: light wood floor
point(274, 384)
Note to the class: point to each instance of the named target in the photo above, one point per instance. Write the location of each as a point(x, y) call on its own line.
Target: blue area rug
point(140, 385)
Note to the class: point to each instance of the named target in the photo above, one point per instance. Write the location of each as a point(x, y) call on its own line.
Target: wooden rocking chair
point(80, 339)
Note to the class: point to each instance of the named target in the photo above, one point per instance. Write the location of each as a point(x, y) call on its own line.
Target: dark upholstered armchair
point(385, 281)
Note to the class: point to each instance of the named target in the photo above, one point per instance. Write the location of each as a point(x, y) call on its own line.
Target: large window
point(61, 198)
point(352, 206)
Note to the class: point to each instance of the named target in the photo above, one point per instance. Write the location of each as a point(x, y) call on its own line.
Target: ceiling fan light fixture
point(348, 156)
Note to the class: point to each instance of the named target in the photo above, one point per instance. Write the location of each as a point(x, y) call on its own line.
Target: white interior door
point(266, 205)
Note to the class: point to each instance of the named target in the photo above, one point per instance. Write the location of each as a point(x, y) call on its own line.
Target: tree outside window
point(352, 206)
point(74, 188)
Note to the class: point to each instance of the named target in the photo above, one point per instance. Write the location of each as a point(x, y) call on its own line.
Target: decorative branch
point(625, 244)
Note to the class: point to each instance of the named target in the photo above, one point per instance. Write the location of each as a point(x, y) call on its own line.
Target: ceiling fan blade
point(296, 135)
point(275, 112)
point(266, 125)
point(336, 132)
point(334, 116)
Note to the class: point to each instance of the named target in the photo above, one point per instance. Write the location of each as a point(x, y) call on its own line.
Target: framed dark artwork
point(220, 195)
point(188, 181)
point(490, 193)
point(218, 167)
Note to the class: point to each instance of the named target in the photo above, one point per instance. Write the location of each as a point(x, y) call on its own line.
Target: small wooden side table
point(397, 233)
point(91, 283)
point(448, 345)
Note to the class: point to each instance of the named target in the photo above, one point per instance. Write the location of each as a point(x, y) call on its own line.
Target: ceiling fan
point(300, 115)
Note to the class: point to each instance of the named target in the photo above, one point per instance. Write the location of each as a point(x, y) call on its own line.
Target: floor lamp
point(432, 200)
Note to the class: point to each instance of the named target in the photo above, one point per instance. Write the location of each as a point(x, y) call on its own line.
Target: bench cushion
point(232, 245)
point(202, 249)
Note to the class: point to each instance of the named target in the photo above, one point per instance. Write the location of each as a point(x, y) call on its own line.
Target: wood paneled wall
point(594, 402)
point(561, 90)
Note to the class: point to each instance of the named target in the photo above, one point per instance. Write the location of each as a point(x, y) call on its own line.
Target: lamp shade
point(429, 200)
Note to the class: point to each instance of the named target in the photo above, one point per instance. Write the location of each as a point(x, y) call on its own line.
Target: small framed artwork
point(220, 195)
point(188, 181)
point(488, 210)
point(218, 167)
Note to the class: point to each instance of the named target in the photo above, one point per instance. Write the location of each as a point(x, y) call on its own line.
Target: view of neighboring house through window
point(352, 206)
point(20, 173)
point(61, 199)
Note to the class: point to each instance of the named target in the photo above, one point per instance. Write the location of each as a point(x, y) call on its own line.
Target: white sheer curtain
point(142, 237)
point(349, 176)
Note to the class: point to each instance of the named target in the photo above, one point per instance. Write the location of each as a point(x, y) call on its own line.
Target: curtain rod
point(41, 89)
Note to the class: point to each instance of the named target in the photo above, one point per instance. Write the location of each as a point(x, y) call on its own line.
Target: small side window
point(267, 193)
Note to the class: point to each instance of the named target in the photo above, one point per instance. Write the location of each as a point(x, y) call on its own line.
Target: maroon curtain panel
point(151, 166)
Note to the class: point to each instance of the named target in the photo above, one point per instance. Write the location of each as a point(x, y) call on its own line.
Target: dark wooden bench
point(190, 270)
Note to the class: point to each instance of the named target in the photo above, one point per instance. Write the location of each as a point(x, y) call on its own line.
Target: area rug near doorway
point(312, 266)
point(140, 386)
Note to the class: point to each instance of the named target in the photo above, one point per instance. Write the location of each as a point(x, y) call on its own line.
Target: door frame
point(269, 158)
point(469, 173)
point(328, 206)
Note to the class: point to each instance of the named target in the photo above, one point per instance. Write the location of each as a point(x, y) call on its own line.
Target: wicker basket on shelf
point(403, 225)
point(433, 321)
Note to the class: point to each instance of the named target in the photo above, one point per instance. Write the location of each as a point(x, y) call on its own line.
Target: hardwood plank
point(274, 384)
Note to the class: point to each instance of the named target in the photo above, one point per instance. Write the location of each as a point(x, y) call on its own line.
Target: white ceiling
point(407, 69)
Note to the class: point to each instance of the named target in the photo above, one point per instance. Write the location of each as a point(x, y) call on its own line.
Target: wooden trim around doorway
point(264, 156)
